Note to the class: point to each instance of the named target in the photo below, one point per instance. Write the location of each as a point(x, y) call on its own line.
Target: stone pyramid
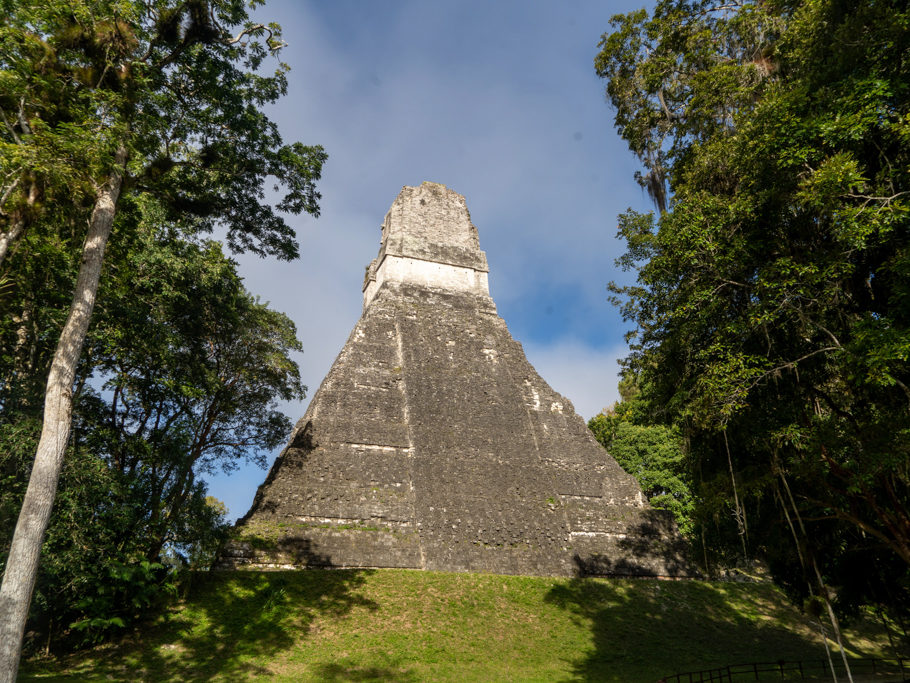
point(433, 444)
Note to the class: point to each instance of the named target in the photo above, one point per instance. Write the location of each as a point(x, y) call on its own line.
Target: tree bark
point(7, 239)
point(824, 593)
point(740, 512)
point(22, 563)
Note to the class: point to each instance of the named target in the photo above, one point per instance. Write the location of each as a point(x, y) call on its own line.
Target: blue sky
point(496, 100)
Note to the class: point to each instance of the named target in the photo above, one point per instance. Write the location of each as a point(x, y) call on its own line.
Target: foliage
point(194, 366)
point(182, 366)
point(654, 456)
point(121, 597)
point(181, 375)
point(771, 303)
point(168, 81)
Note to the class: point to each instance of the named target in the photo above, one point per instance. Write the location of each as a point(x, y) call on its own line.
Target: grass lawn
point(399, 625)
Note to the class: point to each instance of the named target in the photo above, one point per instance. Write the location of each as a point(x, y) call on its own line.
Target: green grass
point(398, 625)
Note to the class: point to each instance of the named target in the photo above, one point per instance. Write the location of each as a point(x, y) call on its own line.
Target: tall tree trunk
point(803, 564)
point(22, 563)
point(7, 239)
point(823, 591)
point(740, 511)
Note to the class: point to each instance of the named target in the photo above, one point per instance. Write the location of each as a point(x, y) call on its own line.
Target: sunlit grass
point(397, 625)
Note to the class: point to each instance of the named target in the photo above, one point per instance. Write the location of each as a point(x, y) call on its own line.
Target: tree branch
point(23, 122)
point(6, 193)
point(10, 128)
point(868, 198)
point(792, 363)
point(255, 29)
point(670, 115)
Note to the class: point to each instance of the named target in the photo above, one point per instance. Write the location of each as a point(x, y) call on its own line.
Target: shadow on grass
point(643, 630)
point(232, 625)
point(236, 622)
point(248, 618)
point(340, 672)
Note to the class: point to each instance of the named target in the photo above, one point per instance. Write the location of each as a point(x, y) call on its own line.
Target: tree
point(194, 366)
point(186, 370)
point(652, 453)
point(771, 299)
point(108, 101)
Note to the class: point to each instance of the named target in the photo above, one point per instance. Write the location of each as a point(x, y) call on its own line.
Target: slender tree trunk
point(833, 619)
point(823, 587)
point(740, 512)
point(704, 550)
point(175, 505)
point(7, 239)
point(803, 564)
point(887, 627)
point(22, 563)
point(821, 630)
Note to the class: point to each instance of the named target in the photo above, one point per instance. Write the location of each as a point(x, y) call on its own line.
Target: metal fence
point(794, 670)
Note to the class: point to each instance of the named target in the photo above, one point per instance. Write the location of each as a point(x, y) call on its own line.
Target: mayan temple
point(433, 443)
